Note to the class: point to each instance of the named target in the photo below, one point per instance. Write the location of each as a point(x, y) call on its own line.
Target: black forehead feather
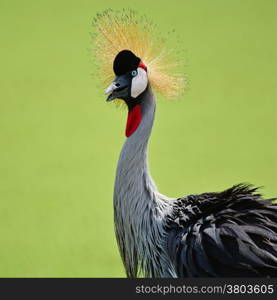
point(125, 61)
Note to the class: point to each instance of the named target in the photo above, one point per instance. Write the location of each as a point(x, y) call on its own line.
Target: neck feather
point(139, 207)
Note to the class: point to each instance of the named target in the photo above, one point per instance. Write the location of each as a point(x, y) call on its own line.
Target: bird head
point(130, 80)
point(116, 31)
point(131, 42)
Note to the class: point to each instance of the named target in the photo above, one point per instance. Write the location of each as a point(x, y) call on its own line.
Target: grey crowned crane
point(224, 234)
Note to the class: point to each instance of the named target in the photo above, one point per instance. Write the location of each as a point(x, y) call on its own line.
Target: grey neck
point(139, 207)
point(133, 156)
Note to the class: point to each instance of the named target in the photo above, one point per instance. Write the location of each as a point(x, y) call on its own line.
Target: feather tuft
point(114, 31)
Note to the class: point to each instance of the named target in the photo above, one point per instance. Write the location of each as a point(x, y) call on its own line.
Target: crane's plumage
point(227, 234)
point(231, 233)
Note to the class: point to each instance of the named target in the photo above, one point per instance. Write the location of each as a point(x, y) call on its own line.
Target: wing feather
point(227, 234)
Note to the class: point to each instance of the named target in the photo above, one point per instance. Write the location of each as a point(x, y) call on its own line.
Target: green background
point(60, 141)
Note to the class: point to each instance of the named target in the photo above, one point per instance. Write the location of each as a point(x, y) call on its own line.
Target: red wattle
point(133, 121)
point(142, 65)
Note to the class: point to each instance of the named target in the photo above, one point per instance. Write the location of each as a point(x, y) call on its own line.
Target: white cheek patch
point(139, 83)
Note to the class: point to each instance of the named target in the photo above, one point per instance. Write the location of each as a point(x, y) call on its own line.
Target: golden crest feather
point(114, 31)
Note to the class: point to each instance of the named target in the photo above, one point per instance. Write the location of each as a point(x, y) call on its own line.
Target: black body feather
point(227, 234)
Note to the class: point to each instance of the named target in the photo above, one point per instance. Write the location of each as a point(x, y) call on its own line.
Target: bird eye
point(134, 73)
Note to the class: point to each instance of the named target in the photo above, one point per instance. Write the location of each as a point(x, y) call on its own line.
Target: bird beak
point(118, 88)
point(110, 88)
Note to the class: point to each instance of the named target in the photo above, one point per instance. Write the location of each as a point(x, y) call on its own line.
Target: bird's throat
point(134, 119)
